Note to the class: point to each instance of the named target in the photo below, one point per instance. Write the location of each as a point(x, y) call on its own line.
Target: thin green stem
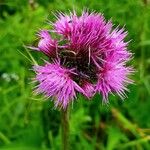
point(135, 142)
point(4, 138)
point(65, 129)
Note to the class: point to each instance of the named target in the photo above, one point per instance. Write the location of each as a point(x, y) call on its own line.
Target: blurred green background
point(27, 122)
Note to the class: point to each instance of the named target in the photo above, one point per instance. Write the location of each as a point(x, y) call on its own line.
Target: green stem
point(135, 142)
point(4, 138)
point(65, 129)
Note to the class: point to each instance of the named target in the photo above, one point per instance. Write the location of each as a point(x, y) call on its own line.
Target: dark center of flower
point(84, 67)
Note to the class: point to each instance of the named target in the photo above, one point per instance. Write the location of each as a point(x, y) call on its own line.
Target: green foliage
point(29, 122)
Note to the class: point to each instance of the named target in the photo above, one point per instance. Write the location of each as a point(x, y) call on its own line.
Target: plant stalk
point(65, 128)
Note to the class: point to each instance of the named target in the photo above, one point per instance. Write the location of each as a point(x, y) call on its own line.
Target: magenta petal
point(47, 45)
point(89, 89)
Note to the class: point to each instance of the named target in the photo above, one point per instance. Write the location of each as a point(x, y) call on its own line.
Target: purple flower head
point(46, 44)
point(56, 81)
point(87, 57)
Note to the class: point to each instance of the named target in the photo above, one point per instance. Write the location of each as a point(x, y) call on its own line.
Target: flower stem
point(65, 128)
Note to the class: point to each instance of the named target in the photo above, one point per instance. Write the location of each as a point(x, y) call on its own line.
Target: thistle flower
point(87, 57)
